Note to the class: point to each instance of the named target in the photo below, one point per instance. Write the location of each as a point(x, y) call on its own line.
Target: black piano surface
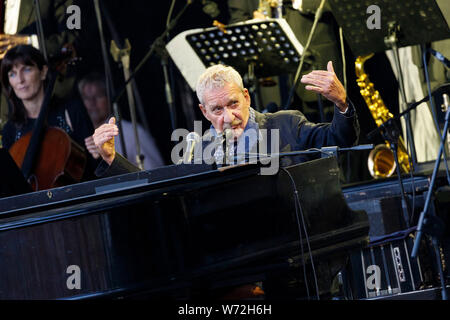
point(172, 229)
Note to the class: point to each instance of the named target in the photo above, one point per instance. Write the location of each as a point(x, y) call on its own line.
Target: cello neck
point(38, 130)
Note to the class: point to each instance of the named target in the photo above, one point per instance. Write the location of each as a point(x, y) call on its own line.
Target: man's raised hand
point(327, 84)
point(104, 140)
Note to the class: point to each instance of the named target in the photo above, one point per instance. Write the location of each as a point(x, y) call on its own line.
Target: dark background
point(141, 22)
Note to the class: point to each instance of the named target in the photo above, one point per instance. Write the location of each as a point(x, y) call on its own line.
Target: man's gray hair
point(217, 76)
point(92, 78)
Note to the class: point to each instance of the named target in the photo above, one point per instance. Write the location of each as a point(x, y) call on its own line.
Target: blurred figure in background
point(92, 90)
point(24, 74)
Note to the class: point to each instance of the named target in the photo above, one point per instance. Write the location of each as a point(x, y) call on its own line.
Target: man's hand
point(8, 41)
point(327, 84)
point(91, 147)
point(104, 140)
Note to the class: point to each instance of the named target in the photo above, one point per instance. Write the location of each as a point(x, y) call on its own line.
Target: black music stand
point(257, 48)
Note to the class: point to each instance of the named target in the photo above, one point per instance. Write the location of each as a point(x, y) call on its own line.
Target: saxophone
point(381, 160)
point(270, 8)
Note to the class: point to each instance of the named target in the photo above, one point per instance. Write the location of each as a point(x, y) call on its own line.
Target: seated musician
point(92, 88)
point(18, 26)
point(24, 73)
point(226, 104)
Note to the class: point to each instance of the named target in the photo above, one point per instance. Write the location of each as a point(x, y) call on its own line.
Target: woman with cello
point(24, 74)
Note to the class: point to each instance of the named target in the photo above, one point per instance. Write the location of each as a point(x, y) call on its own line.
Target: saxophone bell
point(381, 162)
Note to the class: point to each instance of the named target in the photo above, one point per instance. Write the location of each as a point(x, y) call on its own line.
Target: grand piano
point(180, 231)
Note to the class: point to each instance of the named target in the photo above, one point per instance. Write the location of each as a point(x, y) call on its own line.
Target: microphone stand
point(390, 132)
point(391, 41)
point(40, 30)
point(120, 50)
point(331, 151)
point(439, 91)
point(108, 77)
point(164, 57)
point(432, 105)
point(153, 47)
point(302, 59)
point(168, 71)
point(433, 225)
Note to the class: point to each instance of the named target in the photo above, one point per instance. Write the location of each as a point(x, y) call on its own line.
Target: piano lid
point(172, 175)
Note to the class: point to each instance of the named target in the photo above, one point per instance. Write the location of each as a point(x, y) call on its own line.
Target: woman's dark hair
point(26, 55)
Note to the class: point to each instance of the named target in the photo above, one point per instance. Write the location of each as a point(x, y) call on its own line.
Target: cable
point(300, 235)
point(169, 15)
point(298, 205)
point(302, 250)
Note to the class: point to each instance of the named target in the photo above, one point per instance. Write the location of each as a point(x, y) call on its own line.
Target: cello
point(47, 156)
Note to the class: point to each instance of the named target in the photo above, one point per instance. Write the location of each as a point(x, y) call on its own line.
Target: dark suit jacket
point(295, 133)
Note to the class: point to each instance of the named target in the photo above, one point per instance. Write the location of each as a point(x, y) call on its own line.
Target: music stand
point(258, 47)
point(403, 23)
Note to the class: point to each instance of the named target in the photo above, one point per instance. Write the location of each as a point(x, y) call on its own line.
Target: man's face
point(96, 103)
point(227, 107)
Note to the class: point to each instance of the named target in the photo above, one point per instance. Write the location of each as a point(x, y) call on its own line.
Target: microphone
point(446, 102)
point(228, 135)
point(227, 139)
point(445, 107)
point(192, 139)
point(440, 57)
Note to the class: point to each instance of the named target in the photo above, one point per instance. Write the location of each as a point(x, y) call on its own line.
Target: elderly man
point(226, 104)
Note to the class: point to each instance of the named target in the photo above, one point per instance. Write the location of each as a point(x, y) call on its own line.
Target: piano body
point(175, 231)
